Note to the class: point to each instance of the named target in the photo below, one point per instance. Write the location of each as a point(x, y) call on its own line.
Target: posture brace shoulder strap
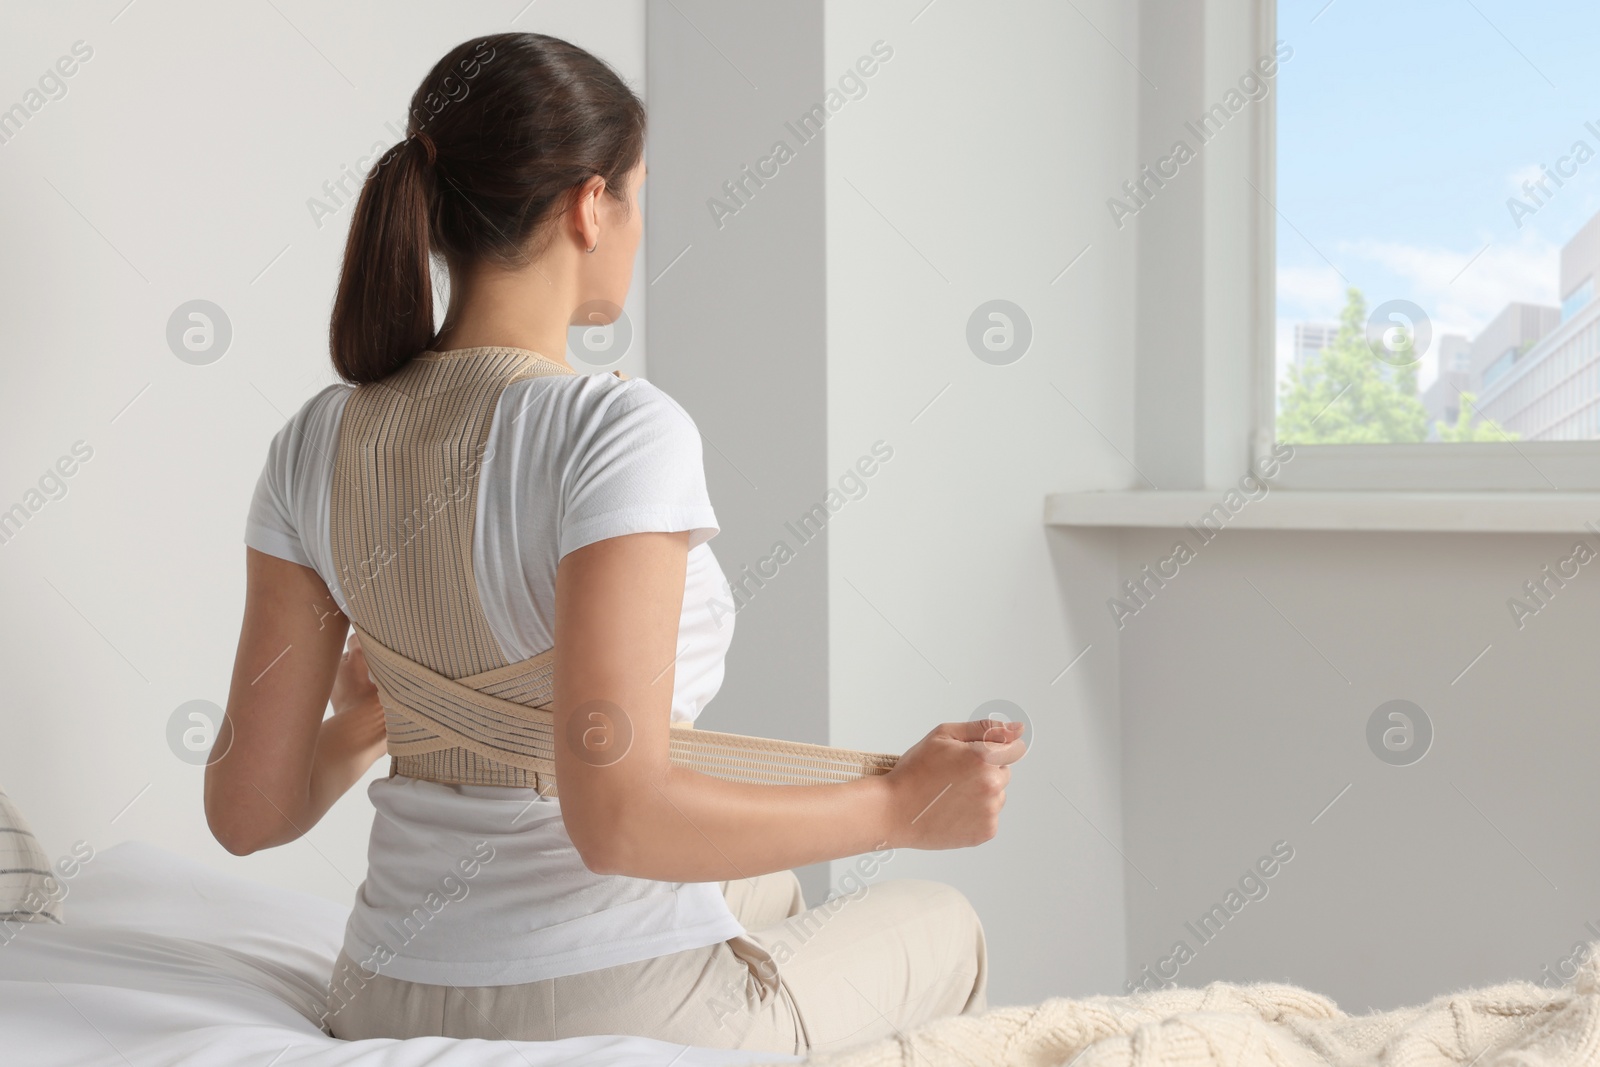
point(402, 511)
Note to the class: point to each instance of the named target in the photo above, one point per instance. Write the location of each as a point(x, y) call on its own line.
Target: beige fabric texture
point(879, 962)
point(402, 512)
point(1517, 1024)
point(29, 889)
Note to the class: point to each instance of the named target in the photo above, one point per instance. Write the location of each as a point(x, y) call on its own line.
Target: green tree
point(1346, 394)
point(1467, 430)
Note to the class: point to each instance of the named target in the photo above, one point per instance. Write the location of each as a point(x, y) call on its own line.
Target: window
point(1437, 159)
point(1575, 300)
point(1501, 365)
point(1437, 230)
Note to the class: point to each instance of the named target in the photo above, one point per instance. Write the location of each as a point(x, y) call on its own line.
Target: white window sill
point(1305, 509)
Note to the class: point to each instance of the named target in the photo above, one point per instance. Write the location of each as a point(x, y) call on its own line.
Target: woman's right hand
point(950, 786)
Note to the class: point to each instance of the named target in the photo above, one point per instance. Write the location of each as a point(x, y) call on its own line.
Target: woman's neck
point(511, 309)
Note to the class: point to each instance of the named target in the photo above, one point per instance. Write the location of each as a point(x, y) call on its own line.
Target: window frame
point(1550, 466)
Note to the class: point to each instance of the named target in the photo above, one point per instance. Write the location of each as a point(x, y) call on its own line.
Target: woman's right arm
point(630, 811)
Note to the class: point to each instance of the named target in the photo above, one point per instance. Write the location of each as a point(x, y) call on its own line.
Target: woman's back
point(481, 885)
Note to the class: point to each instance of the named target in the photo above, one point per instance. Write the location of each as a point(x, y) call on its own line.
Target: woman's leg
point(707, 997)
point(363, 1004)
point(895, 954)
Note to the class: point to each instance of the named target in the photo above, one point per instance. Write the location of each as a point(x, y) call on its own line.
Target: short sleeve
point(640, 469)
point(269, 526)
point(289, 481)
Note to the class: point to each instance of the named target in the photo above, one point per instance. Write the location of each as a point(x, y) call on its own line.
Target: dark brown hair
point(502, 132)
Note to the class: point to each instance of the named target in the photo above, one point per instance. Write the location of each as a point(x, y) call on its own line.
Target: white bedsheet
point(165, 962)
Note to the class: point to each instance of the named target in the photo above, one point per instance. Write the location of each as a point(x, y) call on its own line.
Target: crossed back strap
point(402, 512)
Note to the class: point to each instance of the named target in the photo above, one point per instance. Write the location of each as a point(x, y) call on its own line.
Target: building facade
point(1311, 338)
point(1442, 399)
point(1550, 390)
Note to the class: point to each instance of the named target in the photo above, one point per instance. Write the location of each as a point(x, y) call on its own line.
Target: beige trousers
point(856, 968)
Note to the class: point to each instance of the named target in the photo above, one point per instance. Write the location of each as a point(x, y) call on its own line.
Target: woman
point(646, 898)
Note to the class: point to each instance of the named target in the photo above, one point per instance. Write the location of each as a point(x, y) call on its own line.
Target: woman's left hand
point(353, 688)
point(356, 708)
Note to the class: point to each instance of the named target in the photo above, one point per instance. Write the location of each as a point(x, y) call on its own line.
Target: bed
point(165, 961)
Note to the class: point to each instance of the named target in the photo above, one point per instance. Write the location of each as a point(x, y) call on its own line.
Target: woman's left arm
point(277, 765)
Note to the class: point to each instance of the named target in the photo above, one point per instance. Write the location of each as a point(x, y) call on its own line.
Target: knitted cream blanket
point(1518, 1024)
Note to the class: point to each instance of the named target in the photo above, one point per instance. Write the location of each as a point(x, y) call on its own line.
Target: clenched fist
point(950, 786)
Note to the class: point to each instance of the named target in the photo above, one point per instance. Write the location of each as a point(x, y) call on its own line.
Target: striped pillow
point(29, 890)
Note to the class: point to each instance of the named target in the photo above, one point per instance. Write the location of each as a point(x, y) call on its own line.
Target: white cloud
point(1317, 291)
point(1460, 293)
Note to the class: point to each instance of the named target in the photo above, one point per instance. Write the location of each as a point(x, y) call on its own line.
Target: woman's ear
point(586, 213)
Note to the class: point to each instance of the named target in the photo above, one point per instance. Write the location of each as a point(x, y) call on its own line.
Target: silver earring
point(596, 245)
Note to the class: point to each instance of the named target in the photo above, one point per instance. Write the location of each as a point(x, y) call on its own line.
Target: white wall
point(1475, 864)
point(178, 166)
point(737, 325)
point(973, 167)
point(976, 168)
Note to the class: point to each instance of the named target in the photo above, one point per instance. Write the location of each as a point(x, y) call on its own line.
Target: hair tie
point(427, 146)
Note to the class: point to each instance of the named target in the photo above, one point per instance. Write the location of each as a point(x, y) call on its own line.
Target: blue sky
point(1403, 126)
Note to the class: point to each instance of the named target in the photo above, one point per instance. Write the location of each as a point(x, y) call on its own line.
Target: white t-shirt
point(480, 885)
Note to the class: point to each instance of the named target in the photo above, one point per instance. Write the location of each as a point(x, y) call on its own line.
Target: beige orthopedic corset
point(403, 505)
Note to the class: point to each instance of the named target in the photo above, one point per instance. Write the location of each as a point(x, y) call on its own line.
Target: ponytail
point(383, 313)
point(502, 132)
